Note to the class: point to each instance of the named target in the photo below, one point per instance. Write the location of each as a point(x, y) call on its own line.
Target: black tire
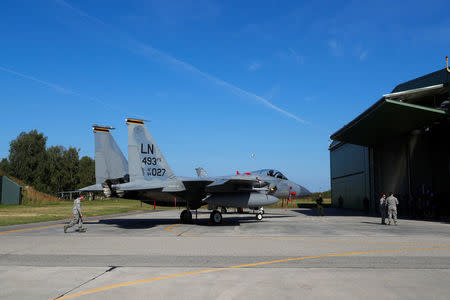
point(216, 217)
point(186, 217)
point(259, 216)
point(223, 210)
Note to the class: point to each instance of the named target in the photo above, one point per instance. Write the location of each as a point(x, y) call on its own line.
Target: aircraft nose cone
point(296, 190)
point(272, 200)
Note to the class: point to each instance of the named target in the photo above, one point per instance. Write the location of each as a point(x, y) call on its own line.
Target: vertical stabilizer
point(201, 173)
point(146, 161)
point(110, 163)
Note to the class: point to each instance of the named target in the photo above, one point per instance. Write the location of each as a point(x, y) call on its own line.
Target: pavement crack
point(111, 268)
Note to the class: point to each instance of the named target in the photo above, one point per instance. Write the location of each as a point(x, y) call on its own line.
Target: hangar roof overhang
point(398, 112)
point(387, 119)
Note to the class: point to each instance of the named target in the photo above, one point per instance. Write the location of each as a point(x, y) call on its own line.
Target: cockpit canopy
point(271, 172)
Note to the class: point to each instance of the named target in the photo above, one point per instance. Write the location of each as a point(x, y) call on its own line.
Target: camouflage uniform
point(319, 202)
point(392, 203)
point(77, 216)
point(383, 210)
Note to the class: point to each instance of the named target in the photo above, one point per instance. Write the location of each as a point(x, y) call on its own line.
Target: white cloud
point(332, 44)
point(254, 66)
point(363, 55)
point(298, 58)
point(335, 47)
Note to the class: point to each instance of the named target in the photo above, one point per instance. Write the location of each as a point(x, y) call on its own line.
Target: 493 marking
point(151, 161)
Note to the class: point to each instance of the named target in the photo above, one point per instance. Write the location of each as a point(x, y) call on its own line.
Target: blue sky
point(218, 80)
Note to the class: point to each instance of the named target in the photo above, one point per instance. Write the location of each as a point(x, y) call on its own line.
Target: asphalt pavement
point(290, 254)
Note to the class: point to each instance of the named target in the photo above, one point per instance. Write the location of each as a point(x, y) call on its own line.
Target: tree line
point(49, 170)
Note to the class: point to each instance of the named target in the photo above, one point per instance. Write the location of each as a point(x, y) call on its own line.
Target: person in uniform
point(383, 209)
point(392, 203)
point(319, 202)
point(77, 215)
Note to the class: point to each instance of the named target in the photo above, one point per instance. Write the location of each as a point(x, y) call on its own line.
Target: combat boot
point(65, 228)
point(82, 230)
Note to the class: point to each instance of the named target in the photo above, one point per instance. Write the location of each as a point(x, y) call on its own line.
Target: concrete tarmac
point(291, 254)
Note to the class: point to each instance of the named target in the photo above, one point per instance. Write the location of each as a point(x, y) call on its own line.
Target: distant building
point(399, 144)
point(10, 192)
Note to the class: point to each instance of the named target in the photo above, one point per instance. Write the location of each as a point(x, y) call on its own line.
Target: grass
point(31, 213)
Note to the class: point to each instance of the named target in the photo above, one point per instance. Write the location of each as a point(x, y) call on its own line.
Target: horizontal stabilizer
point(142, 185)
point(201, 173)
point(92, 188)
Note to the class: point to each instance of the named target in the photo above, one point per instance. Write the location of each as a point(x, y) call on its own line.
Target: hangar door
point(350, 176)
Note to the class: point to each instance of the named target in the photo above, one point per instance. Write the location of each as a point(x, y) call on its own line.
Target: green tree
point(70, 162)
point(4, 165)
point(27, 159)
point(55, 168)
point(86, 174)
point(49, 170)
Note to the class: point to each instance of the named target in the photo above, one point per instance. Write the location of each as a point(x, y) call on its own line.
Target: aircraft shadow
point(333, 212)
point(138, 223)
point(203, 221)
point(236, 220)
point(374, 223)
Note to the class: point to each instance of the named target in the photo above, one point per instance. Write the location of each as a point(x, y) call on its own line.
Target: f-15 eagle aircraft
point(152, 179)
point(278, 184)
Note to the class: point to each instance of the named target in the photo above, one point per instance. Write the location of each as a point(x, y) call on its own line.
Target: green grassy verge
point(31, 213)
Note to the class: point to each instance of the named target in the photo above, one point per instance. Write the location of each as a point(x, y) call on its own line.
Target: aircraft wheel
point(223, 210)
point(262, 210)
point(259, 216)
point(186, 217)
point(216, 217)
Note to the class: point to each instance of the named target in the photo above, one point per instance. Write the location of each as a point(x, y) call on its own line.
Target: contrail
point(146, 49)
point(64, 90)
point(49, 84)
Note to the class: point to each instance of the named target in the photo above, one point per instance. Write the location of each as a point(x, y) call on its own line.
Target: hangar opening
point(399, 145)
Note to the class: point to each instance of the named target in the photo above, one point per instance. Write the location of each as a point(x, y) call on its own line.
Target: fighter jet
point(111, 166)
point(278, 185)
point(151, 180)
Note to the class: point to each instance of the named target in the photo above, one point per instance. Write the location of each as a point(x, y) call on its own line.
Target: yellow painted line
point(104, 288)
point(30, 228)
point(169, 228)
point(341, 241)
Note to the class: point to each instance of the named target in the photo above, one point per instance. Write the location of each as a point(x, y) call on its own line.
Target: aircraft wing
point(223, 184)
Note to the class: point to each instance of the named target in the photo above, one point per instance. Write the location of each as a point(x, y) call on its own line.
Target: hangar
point(400, 145)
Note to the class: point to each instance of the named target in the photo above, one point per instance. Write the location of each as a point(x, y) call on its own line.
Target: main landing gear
point(216, 217)
point(186, 217)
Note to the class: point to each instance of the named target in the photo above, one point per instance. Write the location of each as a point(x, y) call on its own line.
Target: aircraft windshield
point(272, 173)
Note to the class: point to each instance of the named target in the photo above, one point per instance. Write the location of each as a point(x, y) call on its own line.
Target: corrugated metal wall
point(10, 192)
point(350, 176)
